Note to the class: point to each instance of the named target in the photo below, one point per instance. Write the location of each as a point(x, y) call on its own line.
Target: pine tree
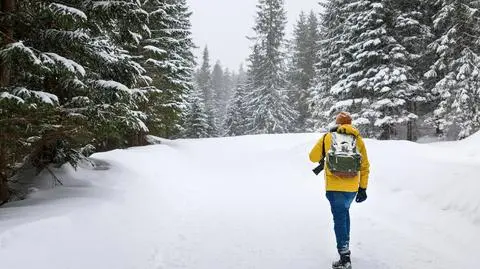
point(302, 71)
point(236, 119)
point(412, 29)
point(196, 118)
point(329, 67)
point(456, 70)
point(167, 56)
point(377, 81)
point(236, 122)
point(67, 77)
point(267, 102)
point(204, 82)
point(241, 77)
point(228, 87)
point(64, 55)
point(218, 94)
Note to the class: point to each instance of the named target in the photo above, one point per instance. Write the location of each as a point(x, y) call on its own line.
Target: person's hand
point(361, 195)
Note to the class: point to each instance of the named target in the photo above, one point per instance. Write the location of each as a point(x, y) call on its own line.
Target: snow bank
point(472, 145)
point(468, 149)
point(444, 176)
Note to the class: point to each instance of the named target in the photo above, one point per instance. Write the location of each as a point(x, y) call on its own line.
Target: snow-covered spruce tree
point(412, 29)
point(377, 81)
point(236, 122)
point(218, 93)
point(68, 80)
point(182, 50)
point(302, 69)
point(229, 85)
point(267, 102)
point(241, 77)
point(204, 83)
point(196, 120)
point(456, 70)
point(167, 56)
point(328, 68)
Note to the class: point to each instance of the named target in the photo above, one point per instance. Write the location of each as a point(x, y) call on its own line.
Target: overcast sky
point(223, 25)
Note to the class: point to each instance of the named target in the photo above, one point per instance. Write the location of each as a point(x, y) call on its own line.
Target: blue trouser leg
point(348, 222)
point(340, 205)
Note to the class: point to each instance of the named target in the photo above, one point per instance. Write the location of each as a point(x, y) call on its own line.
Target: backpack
point(343, 158)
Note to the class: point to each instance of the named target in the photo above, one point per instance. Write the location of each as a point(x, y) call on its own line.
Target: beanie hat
point(343, 118)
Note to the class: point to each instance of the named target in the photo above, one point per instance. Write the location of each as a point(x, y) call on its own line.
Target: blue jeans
point(340, 204)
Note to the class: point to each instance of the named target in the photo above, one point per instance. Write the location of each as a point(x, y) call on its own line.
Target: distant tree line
point(403, 68)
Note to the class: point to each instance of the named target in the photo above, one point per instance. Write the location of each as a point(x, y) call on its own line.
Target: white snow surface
point(247, 202)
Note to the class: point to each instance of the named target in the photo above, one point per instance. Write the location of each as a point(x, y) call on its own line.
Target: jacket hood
point(348, 129)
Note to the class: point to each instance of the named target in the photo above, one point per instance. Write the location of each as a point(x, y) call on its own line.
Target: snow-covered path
point(248, 202)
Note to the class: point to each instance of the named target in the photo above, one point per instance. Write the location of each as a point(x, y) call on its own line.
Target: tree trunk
point(386, 132)
point(4, 192)
point(412, 123)
point(137, 140)
point(8, 7)
point(410, 130)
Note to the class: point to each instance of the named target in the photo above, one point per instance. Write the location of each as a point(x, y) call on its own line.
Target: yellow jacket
point(335, 183)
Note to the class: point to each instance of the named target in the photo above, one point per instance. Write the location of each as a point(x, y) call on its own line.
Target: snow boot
point(343, 263)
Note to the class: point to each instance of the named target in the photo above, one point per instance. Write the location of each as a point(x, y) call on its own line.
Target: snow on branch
point(136, 37)
point(44, 97)
point(14, 51)
point(67, 64)
point(106, 5)
point(6, 95)
point(138, 123)
point(110, 84)
point(159, 12)
point(392, 103)
point(346, 104)
point(72, 36)
point(63, 10)
point(155, 50)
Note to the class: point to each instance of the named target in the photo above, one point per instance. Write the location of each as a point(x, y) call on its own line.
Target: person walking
point(343, 154)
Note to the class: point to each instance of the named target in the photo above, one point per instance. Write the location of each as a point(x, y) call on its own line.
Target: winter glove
point(361, 195)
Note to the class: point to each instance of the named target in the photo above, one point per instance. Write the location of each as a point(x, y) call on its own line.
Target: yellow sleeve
point(365, 166)
point(316, 153)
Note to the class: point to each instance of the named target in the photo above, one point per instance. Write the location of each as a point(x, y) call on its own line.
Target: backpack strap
point(323, 146)
point(321, 164)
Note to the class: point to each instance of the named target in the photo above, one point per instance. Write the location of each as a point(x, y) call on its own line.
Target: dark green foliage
point(167, 56)
point(83, 75)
